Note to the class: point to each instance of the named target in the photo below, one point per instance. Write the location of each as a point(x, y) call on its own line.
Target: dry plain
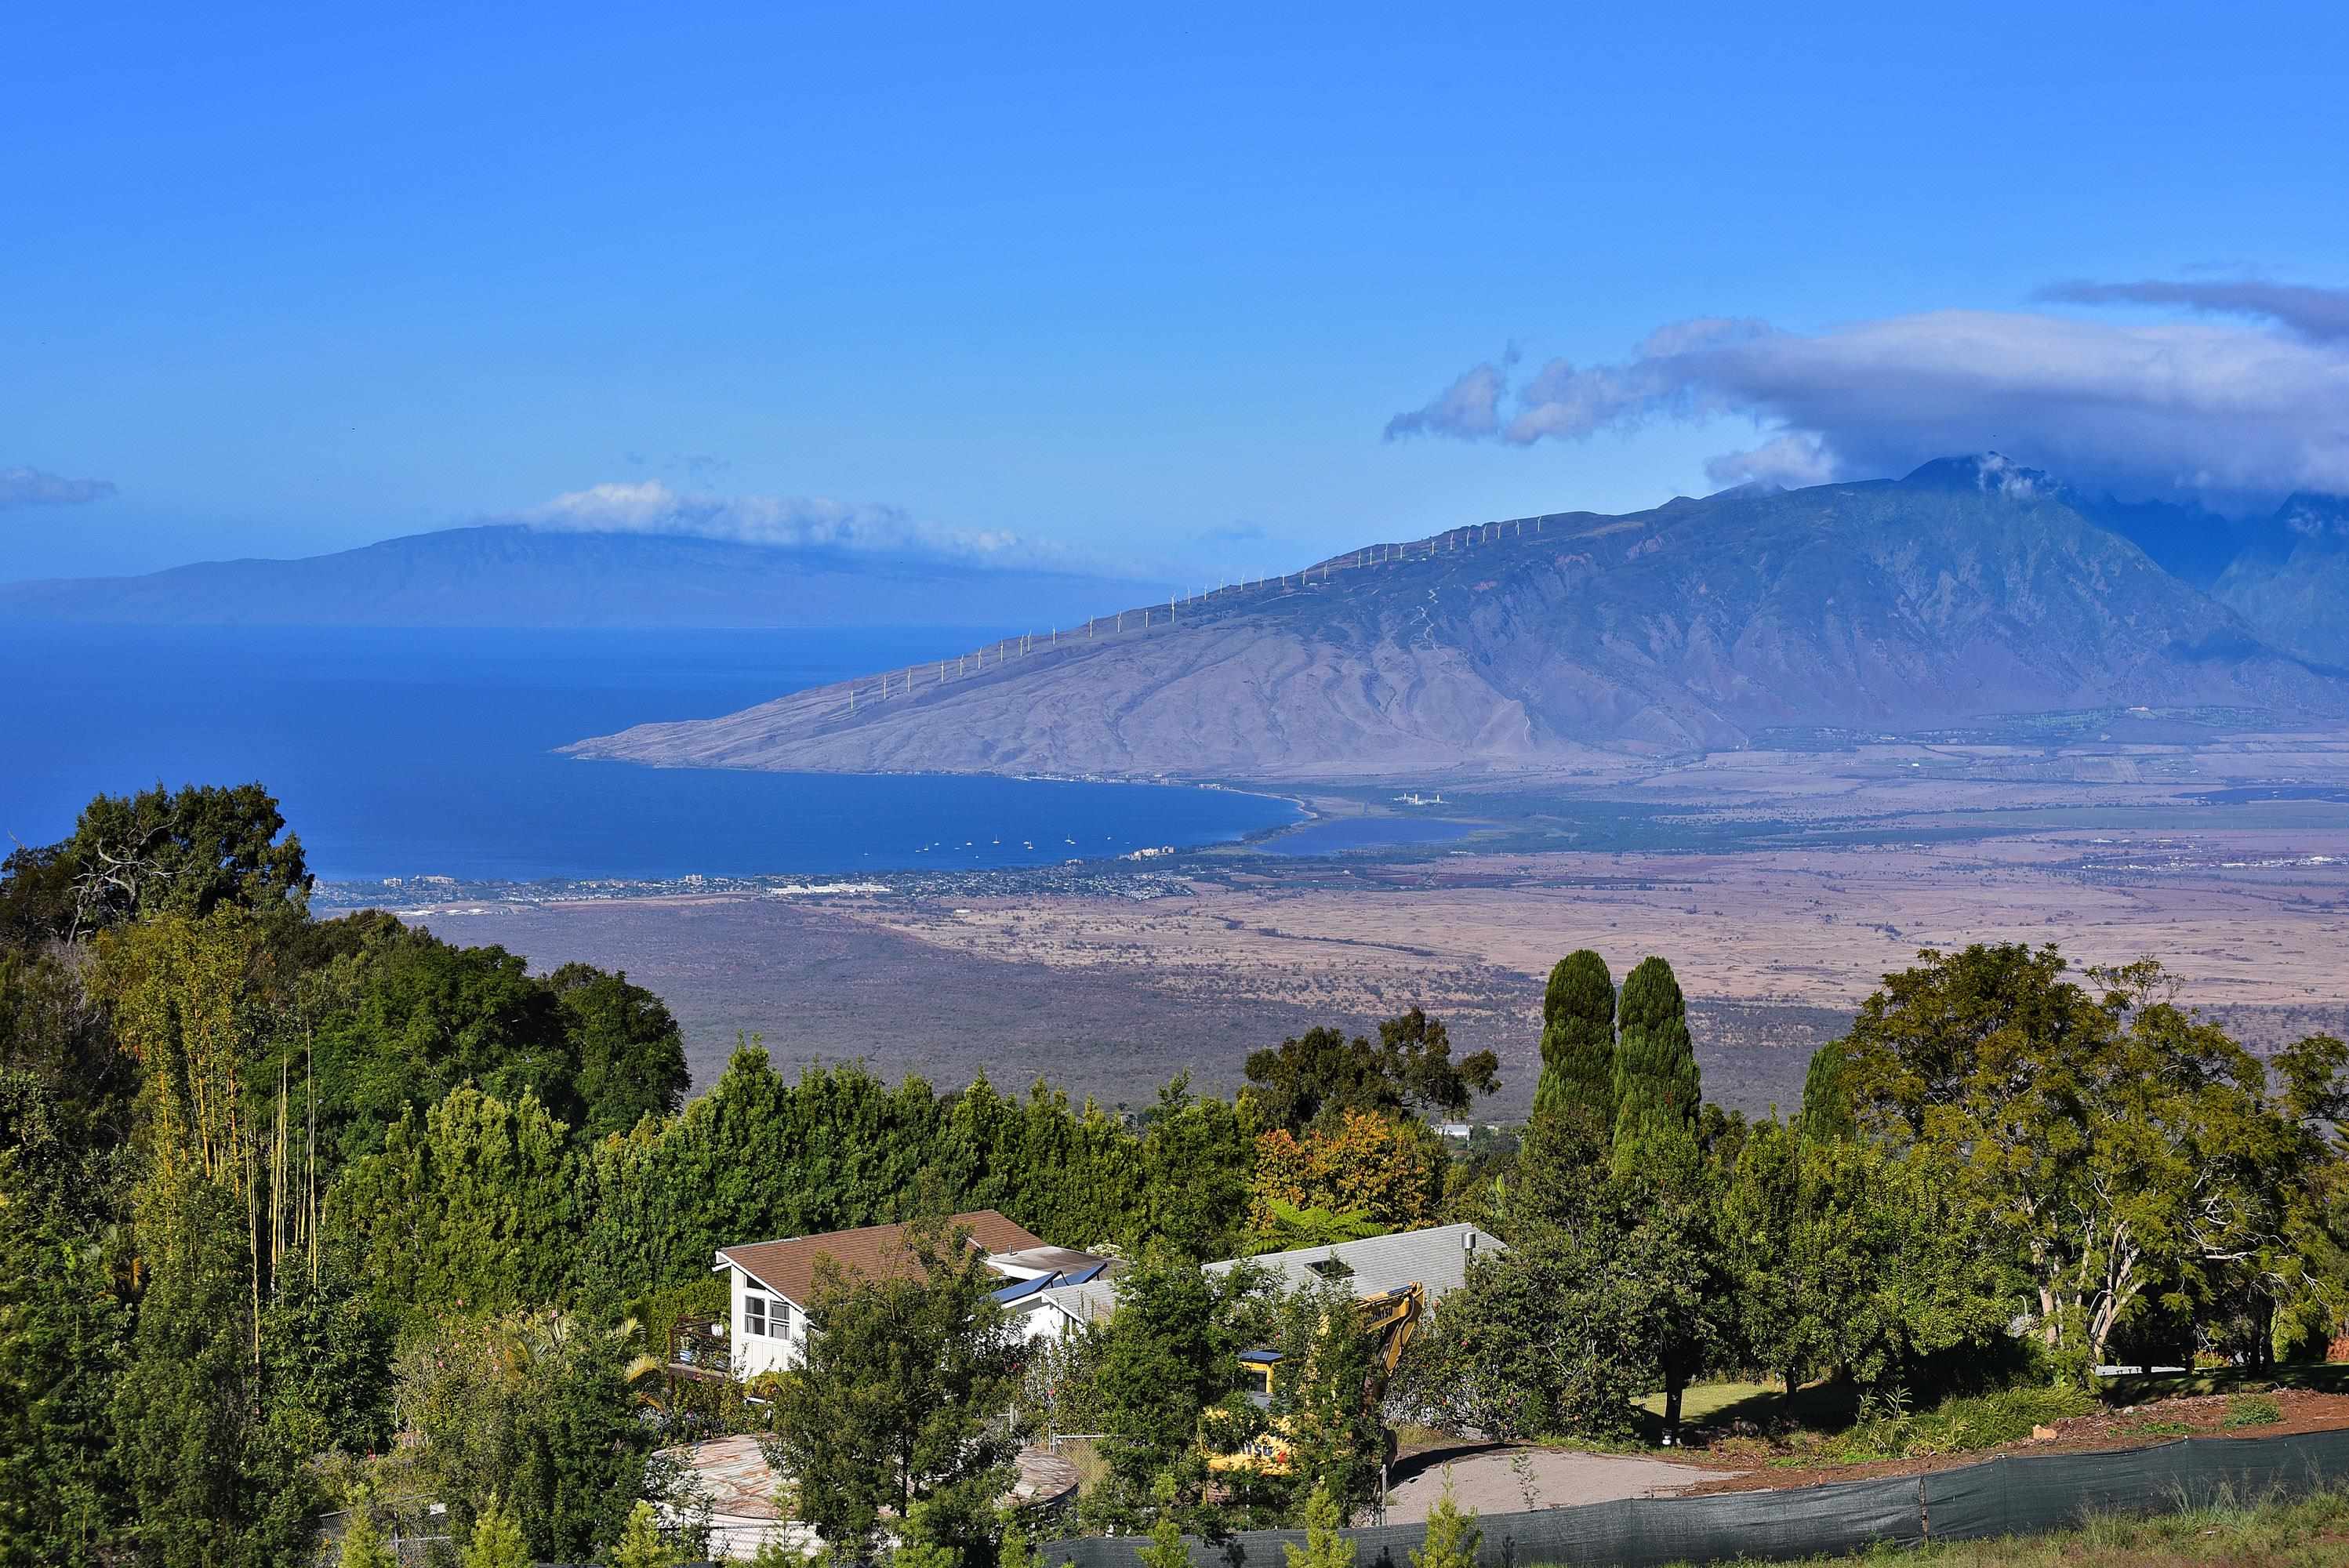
point(1782, 888)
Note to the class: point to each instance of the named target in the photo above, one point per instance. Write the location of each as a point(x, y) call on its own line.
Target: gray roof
point(1437, 1258)
point(1050, 1260)
point(1091, 1302)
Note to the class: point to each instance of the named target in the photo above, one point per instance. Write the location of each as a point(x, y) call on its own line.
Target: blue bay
point(410, 753)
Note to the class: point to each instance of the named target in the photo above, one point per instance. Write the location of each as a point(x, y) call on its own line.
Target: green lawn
point(2324, 1378)
point(1819, 1406)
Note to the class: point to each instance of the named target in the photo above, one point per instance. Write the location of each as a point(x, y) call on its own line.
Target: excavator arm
point(1390, 1320)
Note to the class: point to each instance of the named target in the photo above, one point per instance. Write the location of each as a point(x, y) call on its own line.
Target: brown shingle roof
point(875, 1252)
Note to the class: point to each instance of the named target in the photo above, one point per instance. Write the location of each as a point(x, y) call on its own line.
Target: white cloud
point(1469, 407)
point(1791, 461)
point(2222, 410)
point(31, 487)
point(790, 522)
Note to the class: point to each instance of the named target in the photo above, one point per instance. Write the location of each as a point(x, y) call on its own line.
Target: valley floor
point(1110, 995)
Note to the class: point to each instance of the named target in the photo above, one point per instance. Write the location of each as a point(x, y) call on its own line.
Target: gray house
point(1436, 1259)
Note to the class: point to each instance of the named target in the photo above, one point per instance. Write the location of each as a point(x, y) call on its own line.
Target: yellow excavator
point(1390, 1320)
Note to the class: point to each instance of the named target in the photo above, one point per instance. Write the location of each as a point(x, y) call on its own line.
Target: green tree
point(54, 1033)
point(906, 1398)
point(363, 1545)
point(1194, 1164)
point(1899, 1273)
point(1691, 1312)
point(186, 853)
point(1657, 1090)
point(1761, 1213)
point(2130, 1151)
point(1453, 1536)
point(630, 1053)
point(210, 1480)
point(1553, 1338)
point(641, 1543)
point(37, 896)
point(1326, 1395)
point(1166, 1548)
point(1576, 1093)
point(496, 1540)
point(327, 1361)
point(1167, 1357)
point(538, 1409)
point(1287, 1227)
point(1827, 1095)
point(1321, 1073)
point(758, 1155)
point(467, 1205)
point(1326, 1545)
point(406, 1018)
point(64, 1324)
point(1017, 1547)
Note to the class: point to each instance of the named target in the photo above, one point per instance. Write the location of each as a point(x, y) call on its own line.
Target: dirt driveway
point(1514, 1480)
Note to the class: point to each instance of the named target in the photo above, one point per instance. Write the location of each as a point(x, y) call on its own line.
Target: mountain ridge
point(510, 574)
point(2292, 581)
point(1543, 643)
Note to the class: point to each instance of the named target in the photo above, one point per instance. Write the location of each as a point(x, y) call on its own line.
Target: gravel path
point(1512, 1480)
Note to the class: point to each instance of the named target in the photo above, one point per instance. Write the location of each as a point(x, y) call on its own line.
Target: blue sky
point(1146, 288)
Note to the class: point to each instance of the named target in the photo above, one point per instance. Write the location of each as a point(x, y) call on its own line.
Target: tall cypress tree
point(1827, 1095)
point(1657, 1091)
point(1577, 1091)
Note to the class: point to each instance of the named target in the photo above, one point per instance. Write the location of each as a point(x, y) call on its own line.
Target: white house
point(773, 1283)
point(1047, 1290)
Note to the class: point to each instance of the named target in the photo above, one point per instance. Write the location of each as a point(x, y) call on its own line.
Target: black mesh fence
point(2005, 1496)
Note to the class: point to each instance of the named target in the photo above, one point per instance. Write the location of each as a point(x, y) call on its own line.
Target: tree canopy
point(1322, 1074)
point(185, 851)
point(2137, 1155)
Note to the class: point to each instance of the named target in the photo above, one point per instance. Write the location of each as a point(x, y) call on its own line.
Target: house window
point(754, 1314)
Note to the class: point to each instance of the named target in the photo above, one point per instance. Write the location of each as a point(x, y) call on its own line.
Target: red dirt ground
point(2202, 1415)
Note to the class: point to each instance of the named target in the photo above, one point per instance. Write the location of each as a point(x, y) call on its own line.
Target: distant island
point(514, 575)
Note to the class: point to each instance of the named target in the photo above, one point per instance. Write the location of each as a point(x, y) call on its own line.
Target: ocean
point(428, 752)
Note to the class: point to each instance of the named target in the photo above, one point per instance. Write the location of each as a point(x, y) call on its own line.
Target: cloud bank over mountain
point(2322, 316)
point(2229, 412)
point(788, 522)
